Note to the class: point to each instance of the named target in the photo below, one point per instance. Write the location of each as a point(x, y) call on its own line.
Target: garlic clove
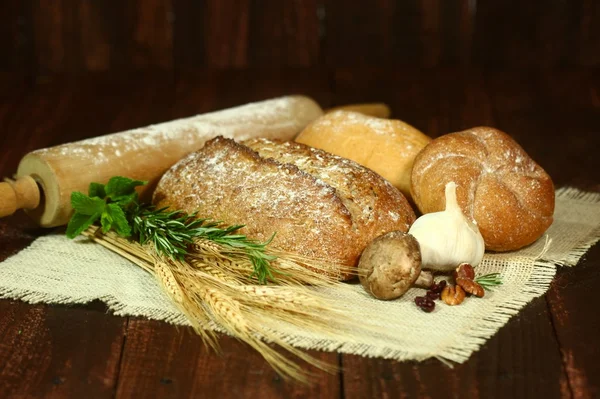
point(448, 238)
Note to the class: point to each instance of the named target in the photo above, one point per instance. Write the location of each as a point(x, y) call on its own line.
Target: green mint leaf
point(119, 220)
point(126, 200)
point(86, 205)
point(79, 222)
point(119, 186)
point(96, 190)
point(106, 221)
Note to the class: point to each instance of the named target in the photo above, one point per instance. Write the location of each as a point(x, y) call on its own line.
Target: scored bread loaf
point(319, 205)
point(497, 184)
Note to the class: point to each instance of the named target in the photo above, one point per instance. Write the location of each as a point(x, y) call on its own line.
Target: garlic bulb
point(448, 238)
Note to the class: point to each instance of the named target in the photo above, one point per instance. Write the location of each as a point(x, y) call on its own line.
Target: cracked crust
point(498, 185)
point(314, 201)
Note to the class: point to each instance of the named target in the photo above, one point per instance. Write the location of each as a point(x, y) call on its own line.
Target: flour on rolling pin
point(146, 153)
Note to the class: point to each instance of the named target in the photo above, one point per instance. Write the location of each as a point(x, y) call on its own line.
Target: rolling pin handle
point(22, 193)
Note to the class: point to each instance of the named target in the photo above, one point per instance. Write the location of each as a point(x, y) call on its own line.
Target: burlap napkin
point(56, 270)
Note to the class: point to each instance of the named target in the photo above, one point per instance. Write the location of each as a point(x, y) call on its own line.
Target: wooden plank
point(458, 25)
point(258, 34)
point(358, 35)
point(533, 33)
point(283, 33)
point(571, 298)
point(55, 35)
point(74, 37)
point(209, 34)
point(464, 101)
point(57, 352)
point(383, 33)
point(94, 35)
point(588, 35)
point(181, 366)
point(16, 42)
point(147, 27)
point(188, 40)
point(523, 358)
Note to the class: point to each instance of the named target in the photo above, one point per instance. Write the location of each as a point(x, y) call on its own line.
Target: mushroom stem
point(425, 280)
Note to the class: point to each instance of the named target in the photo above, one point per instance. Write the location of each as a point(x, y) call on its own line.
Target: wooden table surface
point(550, 349)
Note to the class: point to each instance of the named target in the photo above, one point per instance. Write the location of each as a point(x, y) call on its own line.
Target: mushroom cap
point(390, 265)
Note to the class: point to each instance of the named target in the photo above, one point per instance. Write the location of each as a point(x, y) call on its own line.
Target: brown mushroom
point(390, 265)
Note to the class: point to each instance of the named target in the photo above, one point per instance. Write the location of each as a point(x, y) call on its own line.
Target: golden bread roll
point(379, 110)
point(319, 205)
point(498, 185)
point(385, 146)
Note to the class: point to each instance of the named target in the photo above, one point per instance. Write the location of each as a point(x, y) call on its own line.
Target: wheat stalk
point(213, 288)
point(240, 315)
point(292, 269)
point(168, 281)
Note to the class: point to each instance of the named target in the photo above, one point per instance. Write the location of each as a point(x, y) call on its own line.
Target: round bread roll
point(385, 146)
point(498, 185)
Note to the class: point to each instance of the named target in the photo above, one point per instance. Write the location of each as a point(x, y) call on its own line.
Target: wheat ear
point(232, 314)
point(213, 288)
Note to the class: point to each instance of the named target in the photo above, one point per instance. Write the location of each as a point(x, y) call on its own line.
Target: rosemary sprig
point(117, 208)
point(488, 281)
point(172, 232)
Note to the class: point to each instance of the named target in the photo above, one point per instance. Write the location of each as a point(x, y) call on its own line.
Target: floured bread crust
point(498, 185)
point(319, 205)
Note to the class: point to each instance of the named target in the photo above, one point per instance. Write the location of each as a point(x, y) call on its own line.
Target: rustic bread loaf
point(319, 205)
point(498, 185)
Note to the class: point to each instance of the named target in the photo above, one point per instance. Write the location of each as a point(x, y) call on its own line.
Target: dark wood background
point(39, 38)
point(71, 69)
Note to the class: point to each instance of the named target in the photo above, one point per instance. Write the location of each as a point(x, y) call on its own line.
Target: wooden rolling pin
point(46, 177)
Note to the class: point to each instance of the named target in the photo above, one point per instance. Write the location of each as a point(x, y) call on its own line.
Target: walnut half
point(470, 286)
point(453, 295)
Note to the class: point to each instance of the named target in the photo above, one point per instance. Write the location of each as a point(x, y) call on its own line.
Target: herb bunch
point(116, 205)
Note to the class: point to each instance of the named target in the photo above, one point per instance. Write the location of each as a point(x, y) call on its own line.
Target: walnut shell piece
point(390, 265)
